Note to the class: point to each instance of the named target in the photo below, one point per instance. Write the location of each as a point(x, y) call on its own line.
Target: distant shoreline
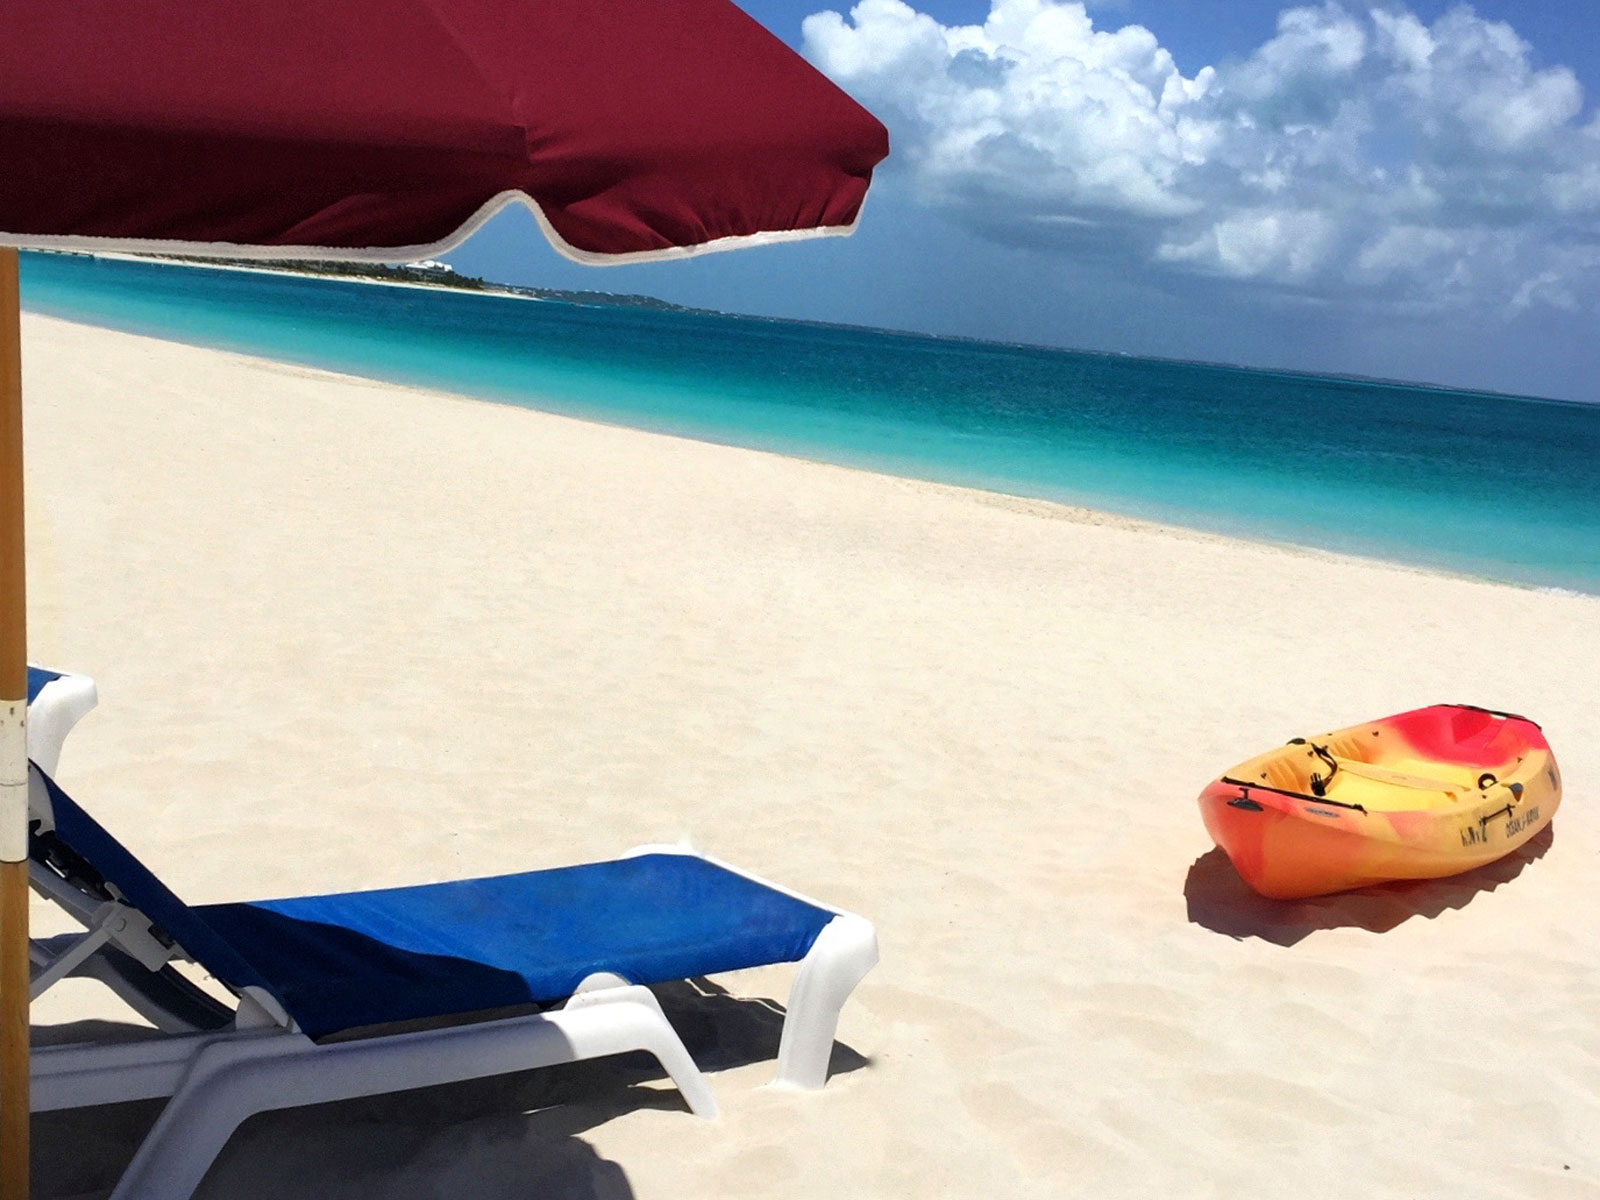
point(404, 275)
point(407, 276)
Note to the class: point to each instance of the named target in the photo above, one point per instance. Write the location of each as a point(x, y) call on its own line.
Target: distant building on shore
point(429, 266)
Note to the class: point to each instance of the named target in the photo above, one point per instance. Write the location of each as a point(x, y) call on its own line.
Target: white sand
point(350, 634)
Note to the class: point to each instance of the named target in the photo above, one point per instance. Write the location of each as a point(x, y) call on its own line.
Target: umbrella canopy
point(388, 129)
point(380, 130)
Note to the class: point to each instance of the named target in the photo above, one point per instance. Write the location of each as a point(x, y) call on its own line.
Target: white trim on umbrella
point(389, 254)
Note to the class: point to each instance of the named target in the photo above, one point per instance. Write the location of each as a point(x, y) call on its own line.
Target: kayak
point(1419, 795)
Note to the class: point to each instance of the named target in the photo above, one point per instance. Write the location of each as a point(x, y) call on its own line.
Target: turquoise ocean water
point(1489, 485)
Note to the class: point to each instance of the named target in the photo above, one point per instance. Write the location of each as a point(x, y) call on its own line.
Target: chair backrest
point(82, 852)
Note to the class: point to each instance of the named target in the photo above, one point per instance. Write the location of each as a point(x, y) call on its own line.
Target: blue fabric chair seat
point(363, 958)
point(343, 961)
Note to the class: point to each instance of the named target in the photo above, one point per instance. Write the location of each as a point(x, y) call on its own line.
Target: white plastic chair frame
point(220, 1066)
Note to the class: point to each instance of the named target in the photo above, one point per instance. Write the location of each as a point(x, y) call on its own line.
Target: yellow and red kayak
point(1426, 793)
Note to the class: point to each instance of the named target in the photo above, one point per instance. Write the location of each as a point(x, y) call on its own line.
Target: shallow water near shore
point(1500, 487)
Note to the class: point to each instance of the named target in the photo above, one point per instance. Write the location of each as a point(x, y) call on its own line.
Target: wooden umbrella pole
point(14, 1110)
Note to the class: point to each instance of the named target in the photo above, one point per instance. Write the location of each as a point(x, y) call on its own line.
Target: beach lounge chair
point(365, 993)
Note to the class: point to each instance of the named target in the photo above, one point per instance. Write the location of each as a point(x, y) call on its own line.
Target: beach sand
point(351, 635)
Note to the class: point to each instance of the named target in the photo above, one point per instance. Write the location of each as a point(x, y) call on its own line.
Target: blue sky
point(1401, 190)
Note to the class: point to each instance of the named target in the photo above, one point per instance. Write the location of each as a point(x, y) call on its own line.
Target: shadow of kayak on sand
point(1222, 902)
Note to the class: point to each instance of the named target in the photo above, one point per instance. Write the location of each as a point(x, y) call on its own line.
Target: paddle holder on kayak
point(1319, 783)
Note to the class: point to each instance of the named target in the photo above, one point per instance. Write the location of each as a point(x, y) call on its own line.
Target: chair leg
point(231, 1081)
point(845, 950)
point(669, 1050)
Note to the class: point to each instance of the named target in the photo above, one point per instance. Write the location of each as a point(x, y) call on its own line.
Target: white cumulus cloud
point(1358, 152)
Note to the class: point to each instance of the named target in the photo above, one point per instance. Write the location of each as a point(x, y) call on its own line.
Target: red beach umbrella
point(383, 130)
